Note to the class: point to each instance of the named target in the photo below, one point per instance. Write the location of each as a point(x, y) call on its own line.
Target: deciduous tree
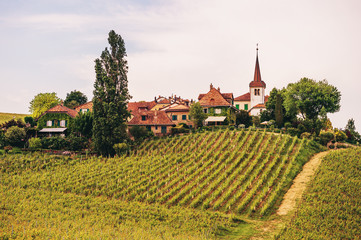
point(197, 114)
point(111, 96)
point(75, 98)
point(42, 102)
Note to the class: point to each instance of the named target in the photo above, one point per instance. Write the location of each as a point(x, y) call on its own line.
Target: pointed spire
point(257, 80)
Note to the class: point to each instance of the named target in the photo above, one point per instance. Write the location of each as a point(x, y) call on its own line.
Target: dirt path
point(299, 184)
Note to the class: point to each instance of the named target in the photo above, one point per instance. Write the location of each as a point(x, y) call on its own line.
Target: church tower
point(257, 86)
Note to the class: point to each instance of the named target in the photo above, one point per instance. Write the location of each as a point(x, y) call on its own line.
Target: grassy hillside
point(200, 186)
point(4, 117)
point(331, 208)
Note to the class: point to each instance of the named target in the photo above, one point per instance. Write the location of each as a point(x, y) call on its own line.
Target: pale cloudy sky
point(180, 46)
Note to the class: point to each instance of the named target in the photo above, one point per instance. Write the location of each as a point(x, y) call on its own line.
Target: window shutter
point(66, 123)
point(52, 123)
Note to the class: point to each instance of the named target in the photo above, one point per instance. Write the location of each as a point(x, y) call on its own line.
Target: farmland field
point(4, 117)
point(331, 207)
point(202, 185)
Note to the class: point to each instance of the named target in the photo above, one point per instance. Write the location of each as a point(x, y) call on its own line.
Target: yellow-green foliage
point(4, 117)
point(181, 187)
point(331, 207)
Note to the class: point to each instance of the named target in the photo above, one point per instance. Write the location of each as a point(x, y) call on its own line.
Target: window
point(184, 117)
point(164, 129)
point(217, 111)
point(156, 127)
point(237, 106)
point(205, 110)
point(49, 123)
point(256, 92)
point(189, 117)
point(245, 106)
point(174, 117)
point(149, 128)
point(62, 123)
point(144, 118)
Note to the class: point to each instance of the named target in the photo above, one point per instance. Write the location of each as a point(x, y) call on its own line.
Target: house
point(156, 121)
point(255, 100)
point(137, 107)
point(86, 107)
point(217, 105)
point(162, 102)
point(178, 113)
point(55, 121)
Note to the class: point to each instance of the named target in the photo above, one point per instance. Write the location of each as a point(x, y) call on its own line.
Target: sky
point(180, 47)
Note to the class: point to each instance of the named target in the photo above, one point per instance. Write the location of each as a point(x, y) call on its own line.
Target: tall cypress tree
point(278, 110)
point(110, 96)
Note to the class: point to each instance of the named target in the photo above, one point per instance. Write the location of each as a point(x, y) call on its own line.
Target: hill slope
point(240, 172)
point(333, 201)
point(4, 117)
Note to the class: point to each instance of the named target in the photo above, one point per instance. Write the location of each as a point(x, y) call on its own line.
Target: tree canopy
point(111, 96)
point(75, 98)
point(42, 102)
point(308, 97)
point(197, 114)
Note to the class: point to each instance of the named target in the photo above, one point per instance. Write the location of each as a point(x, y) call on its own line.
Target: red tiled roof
point(154, 118)
point(61, 109)
point(88, 105)
point(213, 98)
point(176, 107)
point(261, 105)
point(266, 99)
point(244, 97)
point(135, 107)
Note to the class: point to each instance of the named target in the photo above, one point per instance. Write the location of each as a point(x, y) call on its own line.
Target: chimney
point(211, 86)
point(219, 90)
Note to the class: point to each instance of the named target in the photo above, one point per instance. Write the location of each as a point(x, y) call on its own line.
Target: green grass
point(198, 186)
point(4, 117)
point(331, 207)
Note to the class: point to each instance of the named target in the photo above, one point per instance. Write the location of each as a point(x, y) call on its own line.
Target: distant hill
point(4, 117)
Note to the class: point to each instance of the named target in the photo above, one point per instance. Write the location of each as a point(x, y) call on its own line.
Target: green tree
point(308, 97)
point(270, 112)
point(42, 102)
point(15, 136)
point(197, 114)
point(110, 96)
point(243, 117)
point(75, 98)
point(82, 124)
point(138, 132)
point(279, 111)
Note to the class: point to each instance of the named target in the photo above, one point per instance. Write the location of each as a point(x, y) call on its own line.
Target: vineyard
point(214, 175)
point(331, 208)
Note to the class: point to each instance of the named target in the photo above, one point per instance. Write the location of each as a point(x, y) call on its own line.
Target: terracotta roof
point(164, 101)
point(257, 81)
point(266, 99)
point(261, 105)
point(213, 98)
point(153, 118)
point(88, 105)
point(61, 109)
point(176, 107)
point(244, 97)
point(135, 107)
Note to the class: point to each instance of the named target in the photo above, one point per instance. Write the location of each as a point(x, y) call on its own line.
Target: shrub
point(120, 148)
point(2, 140)
point(326, 137)
point(288, 125)
point(35, 143)
point(139, 132)
point(340, 135)
point(306, 135)
point(55, 143)
point(179, 129)
point(76, 143)
point(15, 136)
point(293, 131)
